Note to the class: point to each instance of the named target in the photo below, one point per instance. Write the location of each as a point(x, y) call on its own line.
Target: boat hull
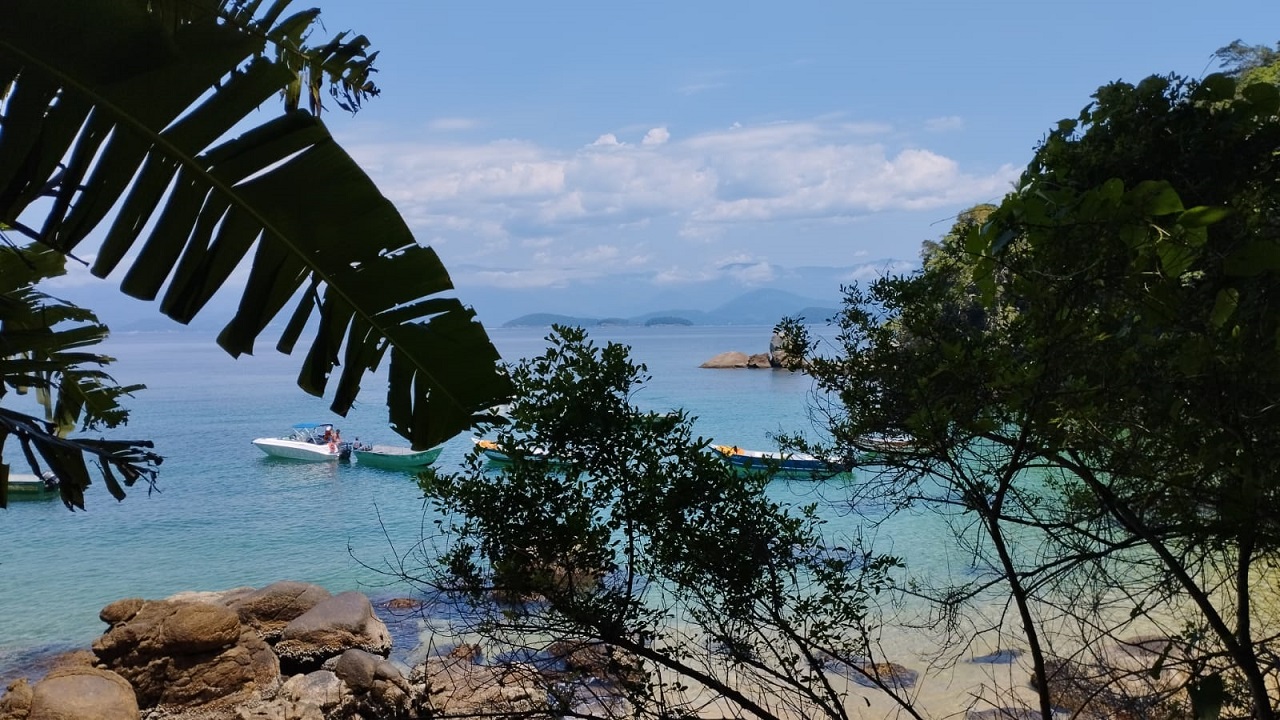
point(490, 450)
point(396, 458)
point(25, 486)
point(780, 463)
point(297, 450)
point(495, 454)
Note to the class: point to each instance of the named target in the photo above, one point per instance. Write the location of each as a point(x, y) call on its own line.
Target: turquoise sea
point(225, 515)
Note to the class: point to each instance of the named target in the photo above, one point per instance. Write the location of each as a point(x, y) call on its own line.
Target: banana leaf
point(145, 130)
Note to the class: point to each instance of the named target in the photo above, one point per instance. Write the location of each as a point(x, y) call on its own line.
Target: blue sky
point(538, 143)
point(547, 145)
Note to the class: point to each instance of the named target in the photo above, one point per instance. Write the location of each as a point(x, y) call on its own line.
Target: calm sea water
point(225, 515)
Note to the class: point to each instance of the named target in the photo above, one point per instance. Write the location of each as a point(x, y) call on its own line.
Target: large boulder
point(778, 356)
point(759, 360)
point(378, 687)
point(343, 622)
point(77, 692)
point(731, 359)
point(179, 653)
point(269, 609)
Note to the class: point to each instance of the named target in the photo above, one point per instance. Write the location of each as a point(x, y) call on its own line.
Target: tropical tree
point(1092, 373)
point(1250, 63)
point(614, 534)
point(135, 126)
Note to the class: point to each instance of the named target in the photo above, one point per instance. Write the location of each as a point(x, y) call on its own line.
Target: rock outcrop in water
point(776, 358)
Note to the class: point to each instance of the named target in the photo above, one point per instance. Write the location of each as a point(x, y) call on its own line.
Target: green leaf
point(1224, 306)
point(1175, 258)
point(1264, 96)
point(1215, 88)
point(1254, 258)
point(1155, 198)
point(1203, 216)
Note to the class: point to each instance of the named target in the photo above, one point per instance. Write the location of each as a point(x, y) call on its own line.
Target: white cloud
point(943, 124)
point(656, 136)
point(452, 124)
point(753, 274)
point(748, 187)
point(865, 273)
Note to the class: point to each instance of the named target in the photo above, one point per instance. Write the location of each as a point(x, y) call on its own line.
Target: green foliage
point(115, 121)
point(43, 348)
point(639, 538)
point(1092, 372)
point(1250, 63)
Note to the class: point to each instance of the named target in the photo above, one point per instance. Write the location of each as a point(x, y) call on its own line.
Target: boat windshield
point(318, 433)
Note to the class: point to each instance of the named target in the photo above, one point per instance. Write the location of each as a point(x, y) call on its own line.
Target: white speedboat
point(309, 442)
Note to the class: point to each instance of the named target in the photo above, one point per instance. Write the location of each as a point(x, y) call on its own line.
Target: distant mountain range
point(757, 307)
point(737, 294)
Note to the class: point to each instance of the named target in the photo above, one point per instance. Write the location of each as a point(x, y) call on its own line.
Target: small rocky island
point(776, 358)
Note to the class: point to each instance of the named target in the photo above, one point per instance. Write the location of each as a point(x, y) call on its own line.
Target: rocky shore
point(287, 651)
point(294, 651)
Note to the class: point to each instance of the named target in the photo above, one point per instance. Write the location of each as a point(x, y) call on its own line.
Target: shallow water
point(225, 515)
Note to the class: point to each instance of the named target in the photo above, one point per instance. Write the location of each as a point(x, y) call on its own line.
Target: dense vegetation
point(1088, 372)
point(1091, 370)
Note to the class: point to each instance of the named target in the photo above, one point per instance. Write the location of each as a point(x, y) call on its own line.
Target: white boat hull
point(297, 450)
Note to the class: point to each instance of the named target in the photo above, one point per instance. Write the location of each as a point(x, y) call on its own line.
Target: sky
point(544, 145)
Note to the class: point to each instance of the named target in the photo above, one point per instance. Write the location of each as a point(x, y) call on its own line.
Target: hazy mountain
point(765, 306)
point(735, 294)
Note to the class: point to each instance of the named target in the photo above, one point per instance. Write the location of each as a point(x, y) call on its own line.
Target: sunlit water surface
point(225, 515)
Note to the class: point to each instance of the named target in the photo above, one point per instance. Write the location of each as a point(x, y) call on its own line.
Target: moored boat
point(782, 463)
point(497, 454)
point(491, 450)
point(308, 442)
point(23, 486)
point(394, 457)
